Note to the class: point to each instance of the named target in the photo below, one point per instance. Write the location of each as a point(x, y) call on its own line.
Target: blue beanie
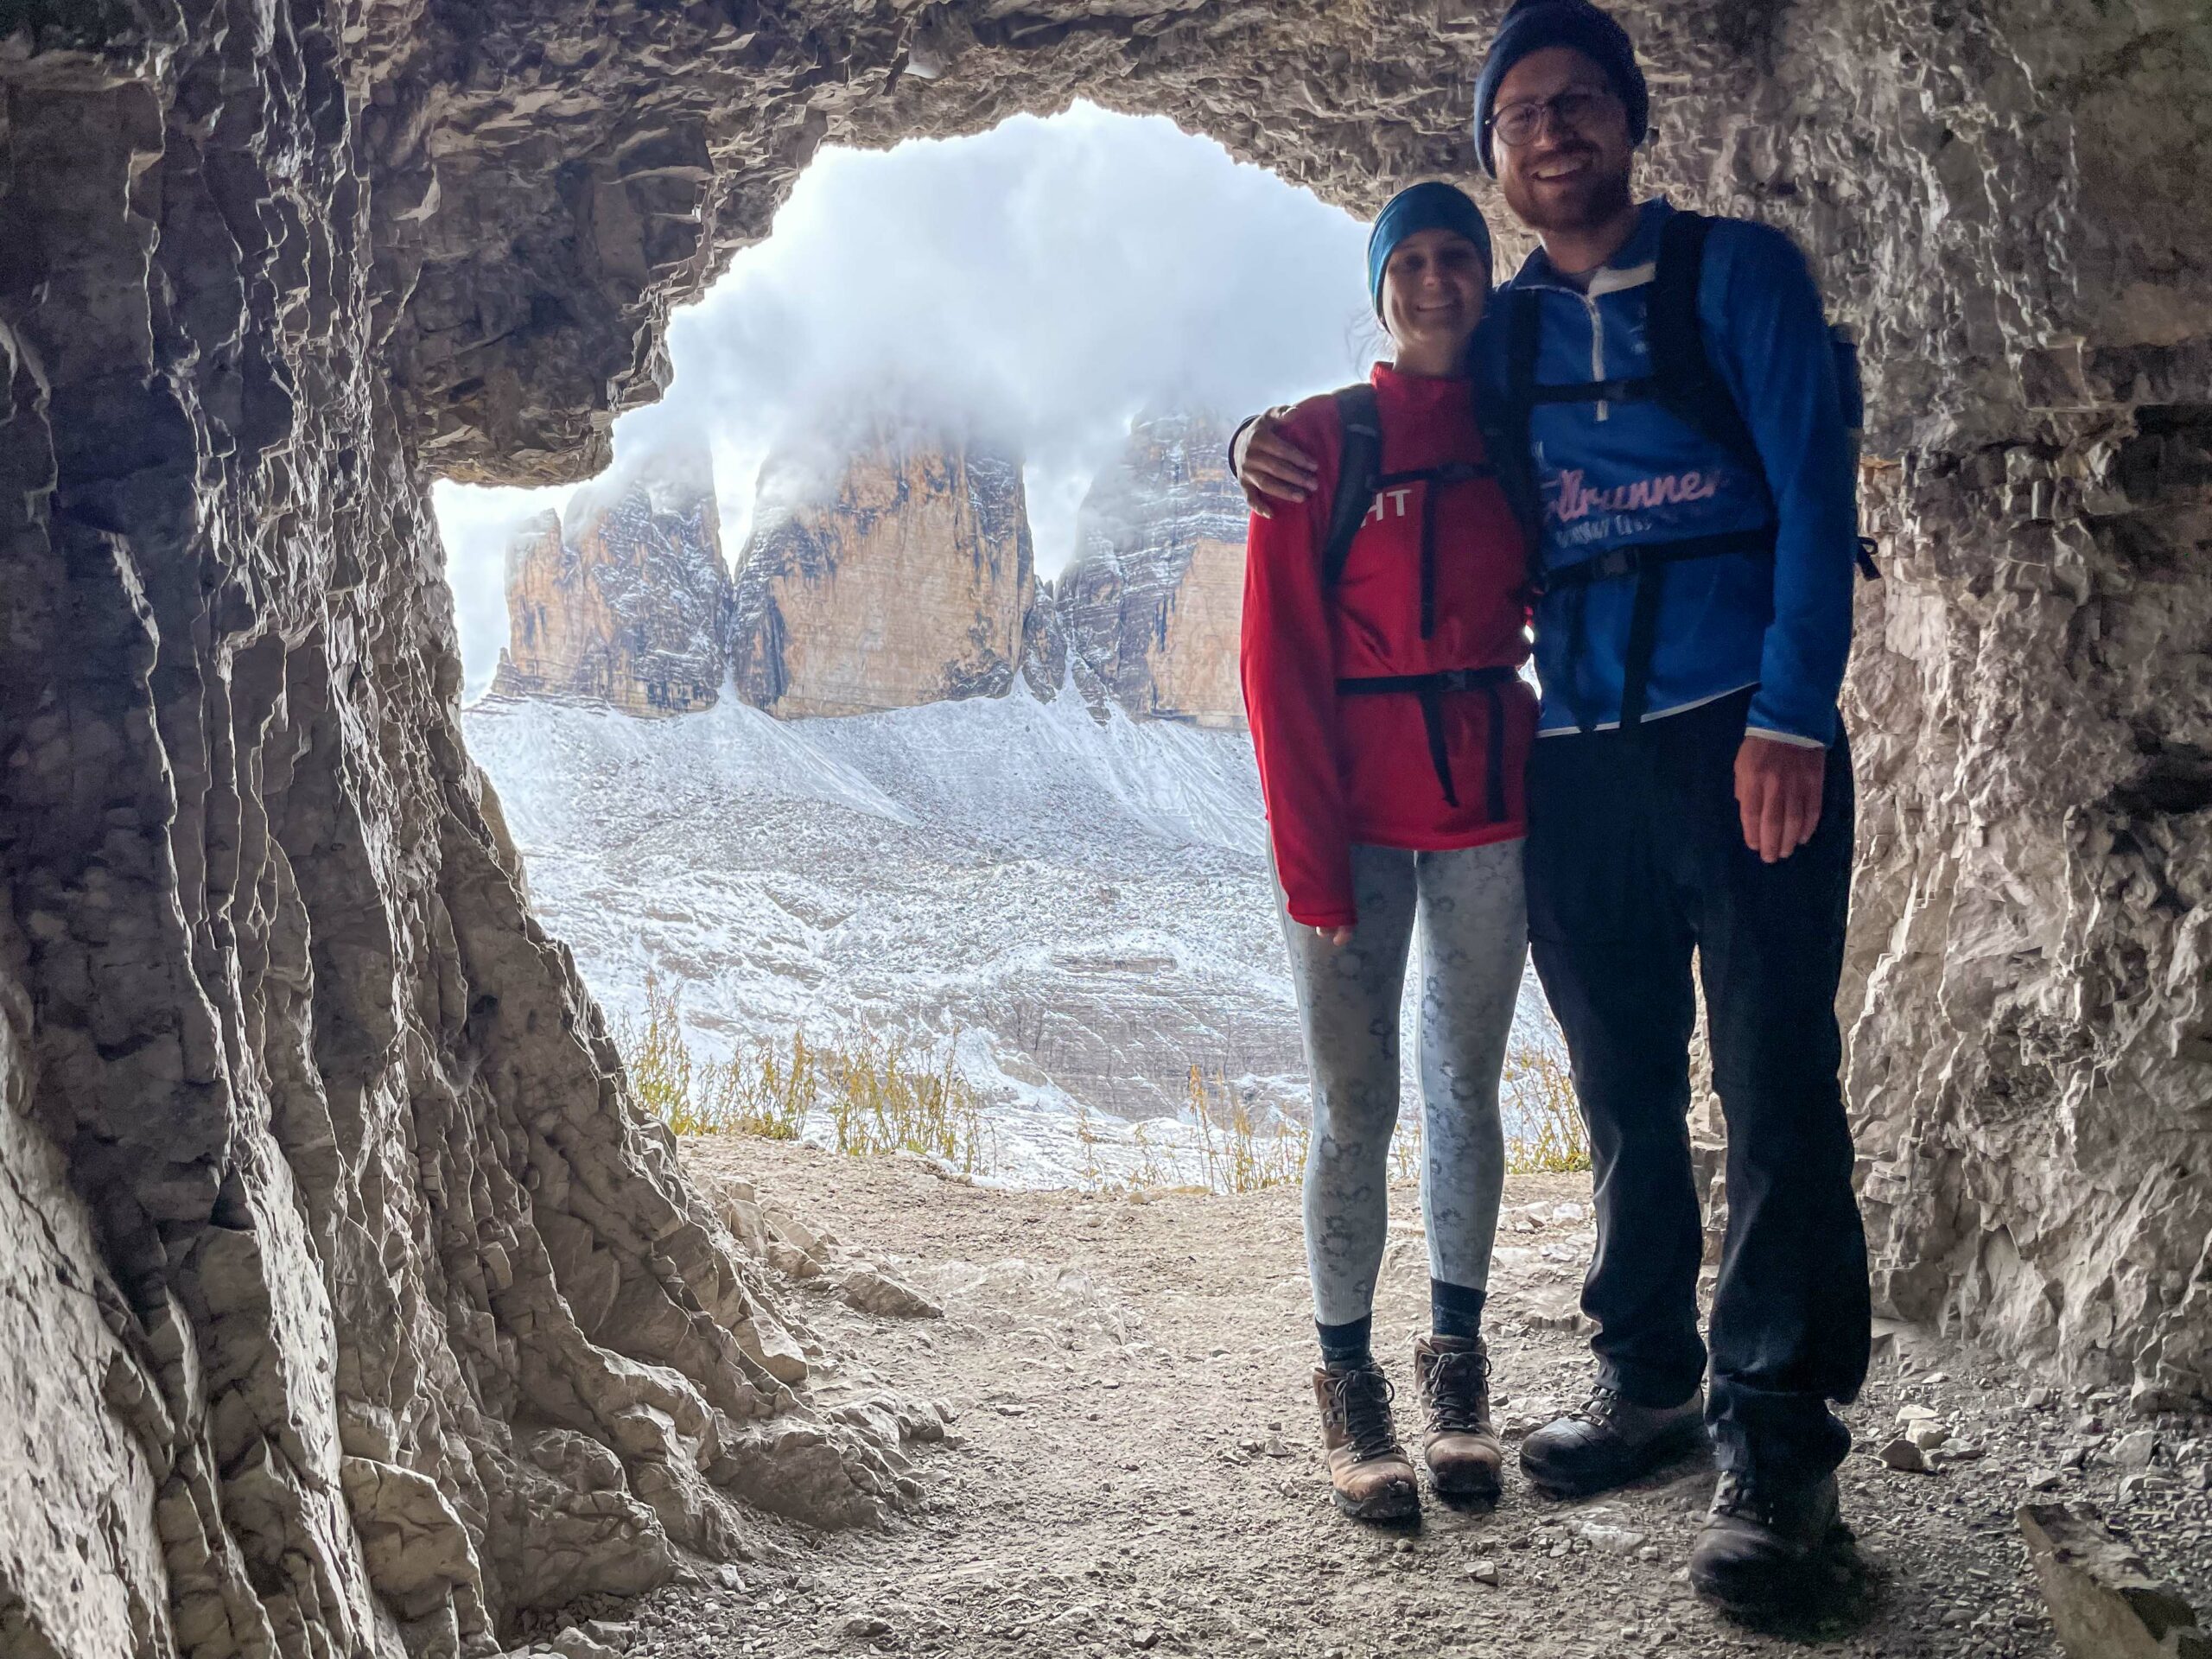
point(1433, 206)
point(1532, 25)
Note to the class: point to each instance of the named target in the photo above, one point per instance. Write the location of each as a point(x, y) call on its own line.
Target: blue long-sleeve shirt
point(1613, 474)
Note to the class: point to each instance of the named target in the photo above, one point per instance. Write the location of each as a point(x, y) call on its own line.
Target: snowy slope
point(1089, 904)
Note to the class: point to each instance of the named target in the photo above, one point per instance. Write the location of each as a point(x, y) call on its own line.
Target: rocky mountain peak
point(900, 572)
point(889, 567)
point(625, 603)
point(1152, 606)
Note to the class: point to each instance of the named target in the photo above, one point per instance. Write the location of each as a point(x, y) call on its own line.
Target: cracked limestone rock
point(2102, 1600)
point(875, 1290)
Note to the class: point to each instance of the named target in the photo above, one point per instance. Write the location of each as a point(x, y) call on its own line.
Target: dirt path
point(1134, 1463)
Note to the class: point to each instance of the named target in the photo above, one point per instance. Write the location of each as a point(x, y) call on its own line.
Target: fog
point(1037, 286)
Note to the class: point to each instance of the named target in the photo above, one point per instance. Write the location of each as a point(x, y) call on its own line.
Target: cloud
point(1042, 283)
point(474, 523)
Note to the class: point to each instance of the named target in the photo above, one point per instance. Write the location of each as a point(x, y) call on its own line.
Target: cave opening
point(951, 434)
point(351, 1307)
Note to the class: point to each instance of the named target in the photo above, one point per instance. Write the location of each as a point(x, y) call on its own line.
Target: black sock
point(1454, 1310)
point(1345, 1347)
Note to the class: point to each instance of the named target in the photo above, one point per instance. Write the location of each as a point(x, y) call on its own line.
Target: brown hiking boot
point(1370, 1474)
point(1458, 1443)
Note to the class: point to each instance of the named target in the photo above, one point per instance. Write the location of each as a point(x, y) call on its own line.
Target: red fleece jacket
point(1336, 769)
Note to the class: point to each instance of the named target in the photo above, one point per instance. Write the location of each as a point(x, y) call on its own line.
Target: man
point(1682, 443)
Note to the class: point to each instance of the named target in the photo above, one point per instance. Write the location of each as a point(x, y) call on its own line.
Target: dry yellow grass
point(1240, 1152)
point(873, 1094)
point(876, 1095)
point(885, 1097)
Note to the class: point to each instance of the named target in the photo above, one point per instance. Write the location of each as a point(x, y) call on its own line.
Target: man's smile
point(1560, 168)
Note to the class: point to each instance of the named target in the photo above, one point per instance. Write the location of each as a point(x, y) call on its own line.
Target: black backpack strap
point(1505, 427)
point(1523, 331)
point(1359, 464)
point(1688, 385)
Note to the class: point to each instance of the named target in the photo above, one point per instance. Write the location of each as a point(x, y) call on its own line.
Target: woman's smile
point(1431, 298)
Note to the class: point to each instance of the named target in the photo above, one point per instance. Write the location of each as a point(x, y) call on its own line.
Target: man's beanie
point(1433, 206)
point(1532, 25)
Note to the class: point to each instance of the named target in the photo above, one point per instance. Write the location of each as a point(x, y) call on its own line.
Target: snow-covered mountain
point(1089, 902)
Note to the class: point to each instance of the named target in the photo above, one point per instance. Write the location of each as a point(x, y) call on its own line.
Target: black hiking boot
point(1766, 1547)
point(1610, 1441)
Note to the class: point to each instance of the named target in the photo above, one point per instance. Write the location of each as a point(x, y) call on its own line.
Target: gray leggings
point(1474, 938)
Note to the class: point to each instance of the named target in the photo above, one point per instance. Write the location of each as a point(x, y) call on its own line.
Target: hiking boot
point(1765, 1545)
point(1610, 1441)
point(1451, 1377)
point(1370, 1475)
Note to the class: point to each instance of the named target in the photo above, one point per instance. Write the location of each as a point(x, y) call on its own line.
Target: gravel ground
point(1134, 1461)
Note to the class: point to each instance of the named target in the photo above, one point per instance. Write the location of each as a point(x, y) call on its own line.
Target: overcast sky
point(1044, 282)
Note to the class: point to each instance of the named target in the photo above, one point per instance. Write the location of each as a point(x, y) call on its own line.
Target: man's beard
point(1594, 200)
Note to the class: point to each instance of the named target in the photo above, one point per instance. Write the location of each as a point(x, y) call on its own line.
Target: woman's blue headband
point(1433, 206)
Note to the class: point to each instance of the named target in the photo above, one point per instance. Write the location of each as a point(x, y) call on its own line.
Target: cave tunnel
point(349, 1306)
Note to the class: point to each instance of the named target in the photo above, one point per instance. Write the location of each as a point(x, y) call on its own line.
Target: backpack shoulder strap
point(1359, 464)
point(1687, 382)
point(1523, 328)
point(1506, 429)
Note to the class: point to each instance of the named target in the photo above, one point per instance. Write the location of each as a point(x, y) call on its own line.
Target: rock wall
point(628, 605)
point(1150, 609)
point(349, 1305)
point(346, 1304)
point(897, 574)
point(2021, 226)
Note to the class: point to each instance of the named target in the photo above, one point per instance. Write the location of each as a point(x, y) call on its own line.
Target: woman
point(1392, 725)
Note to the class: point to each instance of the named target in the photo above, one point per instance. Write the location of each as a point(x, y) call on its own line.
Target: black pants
point(1636, 857)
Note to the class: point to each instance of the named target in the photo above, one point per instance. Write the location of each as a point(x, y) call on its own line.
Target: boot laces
point(1598, 1410)
point(1362, 1398)
point(1736, 1494)
point(1459, 1386)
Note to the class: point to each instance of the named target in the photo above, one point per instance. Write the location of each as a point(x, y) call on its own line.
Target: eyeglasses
point(1576, 108)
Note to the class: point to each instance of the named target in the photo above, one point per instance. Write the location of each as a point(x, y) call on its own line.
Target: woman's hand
point(1338, 937)
point(1270, 466)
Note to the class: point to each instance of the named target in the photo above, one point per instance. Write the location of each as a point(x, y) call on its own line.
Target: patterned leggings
point(1474, 939)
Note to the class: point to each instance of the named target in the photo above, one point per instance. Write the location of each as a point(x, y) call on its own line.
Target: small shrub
point(657, 1058)
point(1405, 1143)
point(883, 1098)
point(1550, 1137)
point(1087, 1138)
point(1237, 1152)
point(1149, 1171)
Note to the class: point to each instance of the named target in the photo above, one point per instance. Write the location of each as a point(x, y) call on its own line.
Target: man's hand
point(1339, 936)
point(1778, 791)
point(1272, 466)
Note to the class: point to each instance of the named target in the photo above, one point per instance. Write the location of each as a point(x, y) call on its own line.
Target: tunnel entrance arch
point(332, 1234)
